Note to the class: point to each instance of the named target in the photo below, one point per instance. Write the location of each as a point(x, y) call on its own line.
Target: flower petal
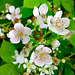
point(43, 25)
point(64, 32)
point(11, 9)
point(43, 9)
point(35, 11)
point(58, 14)
point(15, 40)
point(46, 50)
point(17, 10)
point(27, 31)
point(18, 26)
point(66, 22)
point(8, 16)
point(25, 39)
point(33, 56)
point(19, 16)
point(39, 47)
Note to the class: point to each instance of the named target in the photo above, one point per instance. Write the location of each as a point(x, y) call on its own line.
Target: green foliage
point(57, 2)
point(7, 51)
point(68, 5)
point(11, 2)
point(31, 3)
point(26, 12)
point(68, 72)
point(72, 40)
point(8, 69)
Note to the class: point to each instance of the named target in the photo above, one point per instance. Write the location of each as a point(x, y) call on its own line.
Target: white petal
point(19, 16)
point(11, 9)
point(19, 26)
point(15, 40)
point(17, 10)
point(43, 25)
point(24, 66)
point(43, 9)
point(28, 70)
point(39, 47)
point(33, 66)
point(35, 11)
point(58, 14)
point(25, 39)
point(8, 16)
point(66, 22)
point(27, 31)
point(15, 62)
point(26, 60)
point(64, 32)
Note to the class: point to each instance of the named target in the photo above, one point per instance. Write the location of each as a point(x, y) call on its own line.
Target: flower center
point(42, 55)
point(28, 65)
point(20, 34)
point(14, 14)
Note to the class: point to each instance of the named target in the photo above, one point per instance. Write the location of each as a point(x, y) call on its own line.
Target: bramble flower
point(14, 13)
point(29, 65)
point(57, 24)
point(41, 56)
point(19, 33)
point(67, 36)
point(19, 58)
point(40, 14)
point(55, 43)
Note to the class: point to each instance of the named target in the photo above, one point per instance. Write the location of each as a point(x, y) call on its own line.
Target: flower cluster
point(36, 56)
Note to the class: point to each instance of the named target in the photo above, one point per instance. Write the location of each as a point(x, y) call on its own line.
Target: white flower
point(41, 56)
point(19, 33)
point(58, 24)
point(55, 44)
point(1, 34)
point(29, 65)
point(73, 18)
point(14, 13)
point(42, 73)
point(41, 15)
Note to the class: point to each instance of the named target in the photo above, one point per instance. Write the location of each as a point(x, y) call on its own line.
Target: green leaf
point(31, 3)
point(7, 51)
point(68, 72)
point(11, 2)
point(26, 12)
point(72, 40)
point(68, 5)
point(57, 2)
point(8, 69)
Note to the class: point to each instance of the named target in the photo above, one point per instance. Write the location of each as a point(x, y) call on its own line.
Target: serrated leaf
point(26, 12)
point(11, 2)
point(7, 51)
point(8, 69)
point(31, 3)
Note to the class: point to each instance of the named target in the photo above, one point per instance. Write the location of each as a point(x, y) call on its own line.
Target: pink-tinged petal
point(27, 31)
point(33, 56)
point(49, 19)
point(11, 9)
point(64, 32)
point(15, 40)
point(36, 11)
point(25, 39)
point(8, 16)
point(18, 27)
point(19, 16)
point(39, 47)
point(43, 25)
point(66, 22)
point(11, 34)
point(46, 50)
point(39, 62)
point(17, 10)
point(58, 14)
point(43, 9)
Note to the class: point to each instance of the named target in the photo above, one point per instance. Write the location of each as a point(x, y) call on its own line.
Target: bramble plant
point(37, 37)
